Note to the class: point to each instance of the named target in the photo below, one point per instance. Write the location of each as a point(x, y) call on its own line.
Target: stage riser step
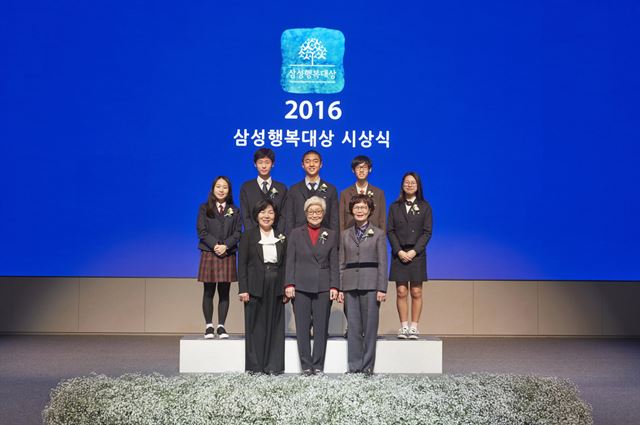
point(199, 355)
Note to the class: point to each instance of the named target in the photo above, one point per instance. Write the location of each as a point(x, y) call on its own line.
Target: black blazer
point(411, 230)
point(220, 229)
point(296, 197)
point(251, 264)
point(251, 193)
point(313, 268)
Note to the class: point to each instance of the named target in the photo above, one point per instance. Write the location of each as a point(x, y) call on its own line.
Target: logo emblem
point(312, 60)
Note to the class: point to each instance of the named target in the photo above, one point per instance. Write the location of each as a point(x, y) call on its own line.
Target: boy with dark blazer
point(362, 166)
point(261, 188)
point(312, 185)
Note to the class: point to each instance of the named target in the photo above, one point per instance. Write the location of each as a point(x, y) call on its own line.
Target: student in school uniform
point(362, 166)
point(219, 230)
point(262, 188)
point(312, 185)
point(409, 230)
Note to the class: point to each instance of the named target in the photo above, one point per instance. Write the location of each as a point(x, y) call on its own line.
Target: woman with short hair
point(312, 283)
point(363, 283)
point(261, 271)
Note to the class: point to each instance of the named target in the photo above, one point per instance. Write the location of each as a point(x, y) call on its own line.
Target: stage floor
point(607, 371)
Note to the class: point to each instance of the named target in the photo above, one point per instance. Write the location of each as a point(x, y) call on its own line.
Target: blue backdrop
point(522, 119)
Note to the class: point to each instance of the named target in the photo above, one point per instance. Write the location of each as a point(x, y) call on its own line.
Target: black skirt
point(414, 271)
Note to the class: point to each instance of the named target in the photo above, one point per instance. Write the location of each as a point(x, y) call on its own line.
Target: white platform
point(199, 355)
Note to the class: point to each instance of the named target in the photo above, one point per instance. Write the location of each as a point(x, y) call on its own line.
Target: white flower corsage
point(369, 233)
point(415, 209)
point(370, 194)
point(229, 213)
point(273, 192)
point(323, 187)
point(323, 236)
point(281, 237)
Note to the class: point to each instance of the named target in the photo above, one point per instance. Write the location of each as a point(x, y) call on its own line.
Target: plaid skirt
point(217, 269)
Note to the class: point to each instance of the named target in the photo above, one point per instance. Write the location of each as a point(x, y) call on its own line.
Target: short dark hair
point(264, 153)
point(361, 159)
point(356, 199)
point(262, 205)
point(419, 195)
point(310, 152)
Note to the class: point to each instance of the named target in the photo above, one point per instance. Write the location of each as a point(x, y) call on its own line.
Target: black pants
point(264, 328)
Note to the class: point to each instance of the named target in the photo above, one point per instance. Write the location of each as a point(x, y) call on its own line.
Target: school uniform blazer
point(296, 197)
point(251, 264)
point(409, 230)
point(312, 268)
point(251, 193)
point(221, 229)
point(379, 216)
point(372, 249)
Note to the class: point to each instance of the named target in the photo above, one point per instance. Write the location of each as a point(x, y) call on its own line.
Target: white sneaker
point(222, 332)
point(403, 332)
point(209, 333)
point(413, 333)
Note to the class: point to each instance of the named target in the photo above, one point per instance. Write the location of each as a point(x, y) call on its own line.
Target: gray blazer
point(371, 250)
point(312, 268)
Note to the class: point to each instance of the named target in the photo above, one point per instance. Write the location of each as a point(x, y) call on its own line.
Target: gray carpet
point(607, 371)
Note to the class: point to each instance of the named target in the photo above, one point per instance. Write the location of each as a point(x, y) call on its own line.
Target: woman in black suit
point(219, 232)
point(261, 271)
point(409, 230)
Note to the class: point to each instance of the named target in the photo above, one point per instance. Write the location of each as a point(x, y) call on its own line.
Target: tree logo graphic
point(312, 60)
point(312, 49)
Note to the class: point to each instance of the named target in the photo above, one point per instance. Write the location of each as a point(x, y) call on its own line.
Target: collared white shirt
point(364, 189)
point(413, 199)
point(269, 251)
point(224, 206)
point(260, 181)
point(308, 183)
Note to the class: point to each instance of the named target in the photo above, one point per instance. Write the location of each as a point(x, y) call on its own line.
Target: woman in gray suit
point(312, 283)
point(363, 283)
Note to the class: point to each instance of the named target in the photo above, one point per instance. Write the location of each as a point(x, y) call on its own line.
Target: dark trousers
point(264, 328)
point(311, 309)
point(362, 320)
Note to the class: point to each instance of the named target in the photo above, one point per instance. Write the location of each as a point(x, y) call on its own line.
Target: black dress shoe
point(307, 372)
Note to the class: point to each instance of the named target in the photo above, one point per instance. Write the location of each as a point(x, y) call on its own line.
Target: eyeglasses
point(314, 212)
point(360, 208)
point(362, 167)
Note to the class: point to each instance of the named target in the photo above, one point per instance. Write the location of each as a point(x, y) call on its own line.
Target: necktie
point(408, 203)
point(361, 191)
point(313, 186)
point(264, 187)
point(221, 209)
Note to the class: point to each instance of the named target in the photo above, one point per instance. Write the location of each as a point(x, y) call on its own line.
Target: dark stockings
point(223, 301)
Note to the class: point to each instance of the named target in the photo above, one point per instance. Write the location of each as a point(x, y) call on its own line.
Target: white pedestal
point(199, 355)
